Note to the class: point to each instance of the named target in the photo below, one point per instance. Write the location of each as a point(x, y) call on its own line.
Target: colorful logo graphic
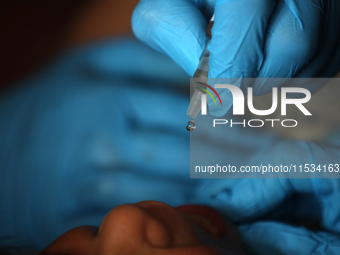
point(209, 93)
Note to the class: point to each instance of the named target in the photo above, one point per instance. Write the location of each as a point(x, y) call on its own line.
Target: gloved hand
point(101, 126)
point(281, 239)
point(96, 128)
point(283, 38)
point(283, 199)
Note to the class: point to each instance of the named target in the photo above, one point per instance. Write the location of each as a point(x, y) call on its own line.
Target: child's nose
point(130, 225)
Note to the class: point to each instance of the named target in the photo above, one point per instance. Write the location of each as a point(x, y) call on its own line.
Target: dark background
point(33, 32)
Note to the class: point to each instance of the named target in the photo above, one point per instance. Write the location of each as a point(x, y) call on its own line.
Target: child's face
point(152, 228)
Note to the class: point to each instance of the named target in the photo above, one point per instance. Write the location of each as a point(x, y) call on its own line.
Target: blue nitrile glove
point(283, 199)
point(281, 239)
point(97, 128)
point(250, 38)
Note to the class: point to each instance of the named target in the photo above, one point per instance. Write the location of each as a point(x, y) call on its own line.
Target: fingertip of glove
point(139, 17)
point(143, 19)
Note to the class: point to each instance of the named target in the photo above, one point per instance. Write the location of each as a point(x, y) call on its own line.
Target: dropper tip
point(191, 126)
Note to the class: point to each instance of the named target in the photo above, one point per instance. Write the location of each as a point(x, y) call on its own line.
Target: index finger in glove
point(291, 41)
point(236, 48)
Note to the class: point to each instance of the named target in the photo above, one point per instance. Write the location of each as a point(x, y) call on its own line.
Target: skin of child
point(151, 227)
